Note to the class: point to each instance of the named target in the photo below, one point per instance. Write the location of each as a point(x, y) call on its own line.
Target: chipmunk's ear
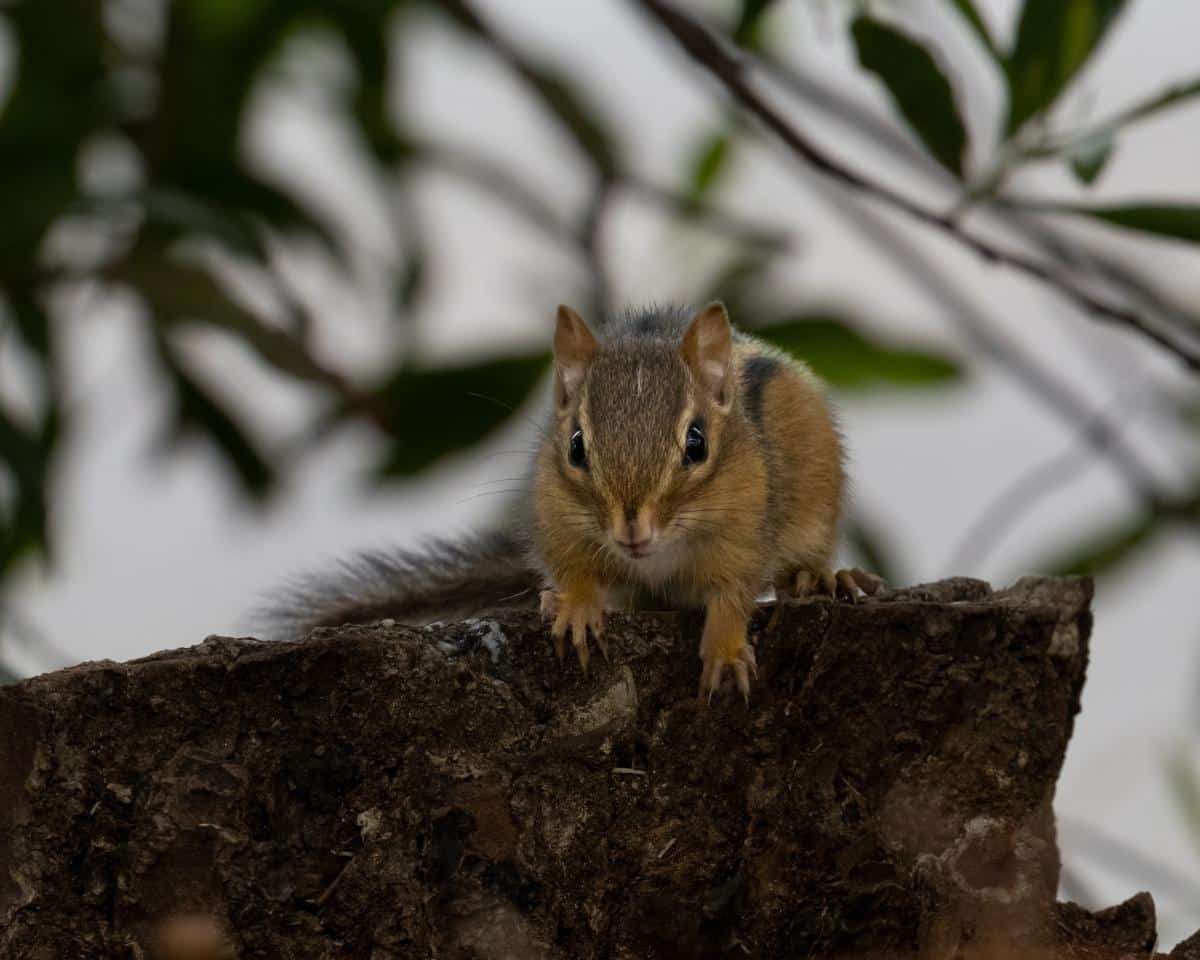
point(574, 347)
point(707, 349)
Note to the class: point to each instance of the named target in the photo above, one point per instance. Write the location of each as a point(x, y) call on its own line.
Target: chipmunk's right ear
point(574, 347)
point(708, 349)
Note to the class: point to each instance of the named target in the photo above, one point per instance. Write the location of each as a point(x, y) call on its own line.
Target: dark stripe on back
point(756, 373)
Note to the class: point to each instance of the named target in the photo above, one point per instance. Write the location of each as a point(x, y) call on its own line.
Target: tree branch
point(1099, 431)
point(700, 44)
point(1074, 254)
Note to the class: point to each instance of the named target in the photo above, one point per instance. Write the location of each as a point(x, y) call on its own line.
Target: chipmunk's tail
point(443, 580)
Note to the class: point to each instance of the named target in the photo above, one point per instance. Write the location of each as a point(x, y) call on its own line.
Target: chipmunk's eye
point(695, 447)
point(577, 454)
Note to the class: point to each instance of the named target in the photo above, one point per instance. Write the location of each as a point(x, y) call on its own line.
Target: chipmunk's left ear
point(574, 347)
point(707, 349)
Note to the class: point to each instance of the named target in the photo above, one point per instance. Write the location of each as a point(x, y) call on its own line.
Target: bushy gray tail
point(442, 580)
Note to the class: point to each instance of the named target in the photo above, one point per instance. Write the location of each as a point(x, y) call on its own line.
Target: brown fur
point(761, 510)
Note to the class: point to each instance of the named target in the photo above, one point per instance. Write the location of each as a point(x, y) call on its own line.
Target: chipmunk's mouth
point(636, 550)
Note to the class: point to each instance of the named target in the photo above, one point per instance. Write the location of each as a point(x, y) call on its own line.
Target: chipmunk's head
point(640, 420)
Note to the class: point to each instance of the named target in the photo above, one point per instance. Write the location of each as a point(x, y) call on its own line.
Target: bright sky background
point(158, 552)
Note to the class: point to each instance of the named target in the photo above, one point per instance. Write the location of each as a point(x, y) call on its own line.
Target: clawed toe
point(852, 582)
point(744, 667)
point(577, 620)
point(848, 584)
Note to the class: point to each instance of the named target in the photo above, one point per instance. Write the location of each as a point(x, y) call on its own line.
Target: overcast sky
point(158, 553)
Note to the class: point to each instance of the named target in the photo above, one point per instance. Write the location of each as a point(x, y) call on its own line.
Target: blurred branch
point(1185, 786)
point(181, 292)
point(1077, 254)
point(500, 183)
point(1099, 431)
point(703, 47)
point(1129, 861)
point(1019, 498)
point(1073, 887)
point(867, 539)
point(833, 102)
point(32, 638)
point(557, 96)
point(592, 237)
point(1121, 275)
point(522, 199)
point(742, 229)
point(1055, 147)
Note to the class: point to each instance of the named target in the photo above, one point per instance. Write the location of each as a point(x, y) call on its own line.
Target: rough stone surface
point(452, 791)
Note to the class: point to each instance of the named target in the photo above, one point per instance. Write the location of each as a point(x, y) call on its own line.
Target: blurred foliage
point(977, 25)
point(469, 402)
point(1106, 549)
point(167, 89)
point(710, 160)
point(1185, 788)
point(918, 87)
point(874, 552)
point(1174, 221)
point(1113, 545)
point(1055, 38)
point(846, 359)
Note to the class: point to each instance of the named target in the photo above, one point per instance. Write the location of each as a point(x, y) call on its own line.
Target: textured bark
point(453, 791)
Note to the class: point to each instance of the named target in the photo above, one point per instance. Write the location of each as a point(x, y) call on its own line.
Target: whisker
point(488, 493)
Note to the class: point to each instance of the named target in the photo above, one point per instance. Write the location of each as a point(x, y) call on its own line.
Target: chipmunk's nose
point(634, 530)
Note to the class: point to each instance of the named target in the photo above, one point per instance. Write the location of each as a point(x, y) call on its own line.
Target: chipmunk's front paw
point(574, 615)
point(852, 581)
point(845, 584)
point(741, 661)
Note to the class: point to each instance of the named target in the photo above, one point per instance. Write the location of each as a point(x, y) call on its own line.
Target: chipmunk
point(684, 462)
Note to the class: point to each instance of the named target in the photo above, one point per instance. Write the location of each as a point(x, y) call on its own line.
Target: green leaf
point(708, 162)
point(1170, 97)
point(555, 89)
point(25, 456)
point(412, 279)
point(747, 32)
point(918, 87)
point(1185, 786)
point(364, 29)
point(30, 320)
point(1105, 550)
point(846, 359)
point(180, 292)
point(7, 676)
point(177, 215)
point(967, 9)
point(1178, 221)
point(1088, 158)
point(191, 140)
point(1055, 38)
point(461, 406)
point(199, 413)
point(56, 101)
point(581, 120)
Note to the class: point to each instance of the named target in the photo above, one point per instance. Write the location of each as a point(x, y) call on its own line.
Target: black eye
point(577, 454)
point(695, 447)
